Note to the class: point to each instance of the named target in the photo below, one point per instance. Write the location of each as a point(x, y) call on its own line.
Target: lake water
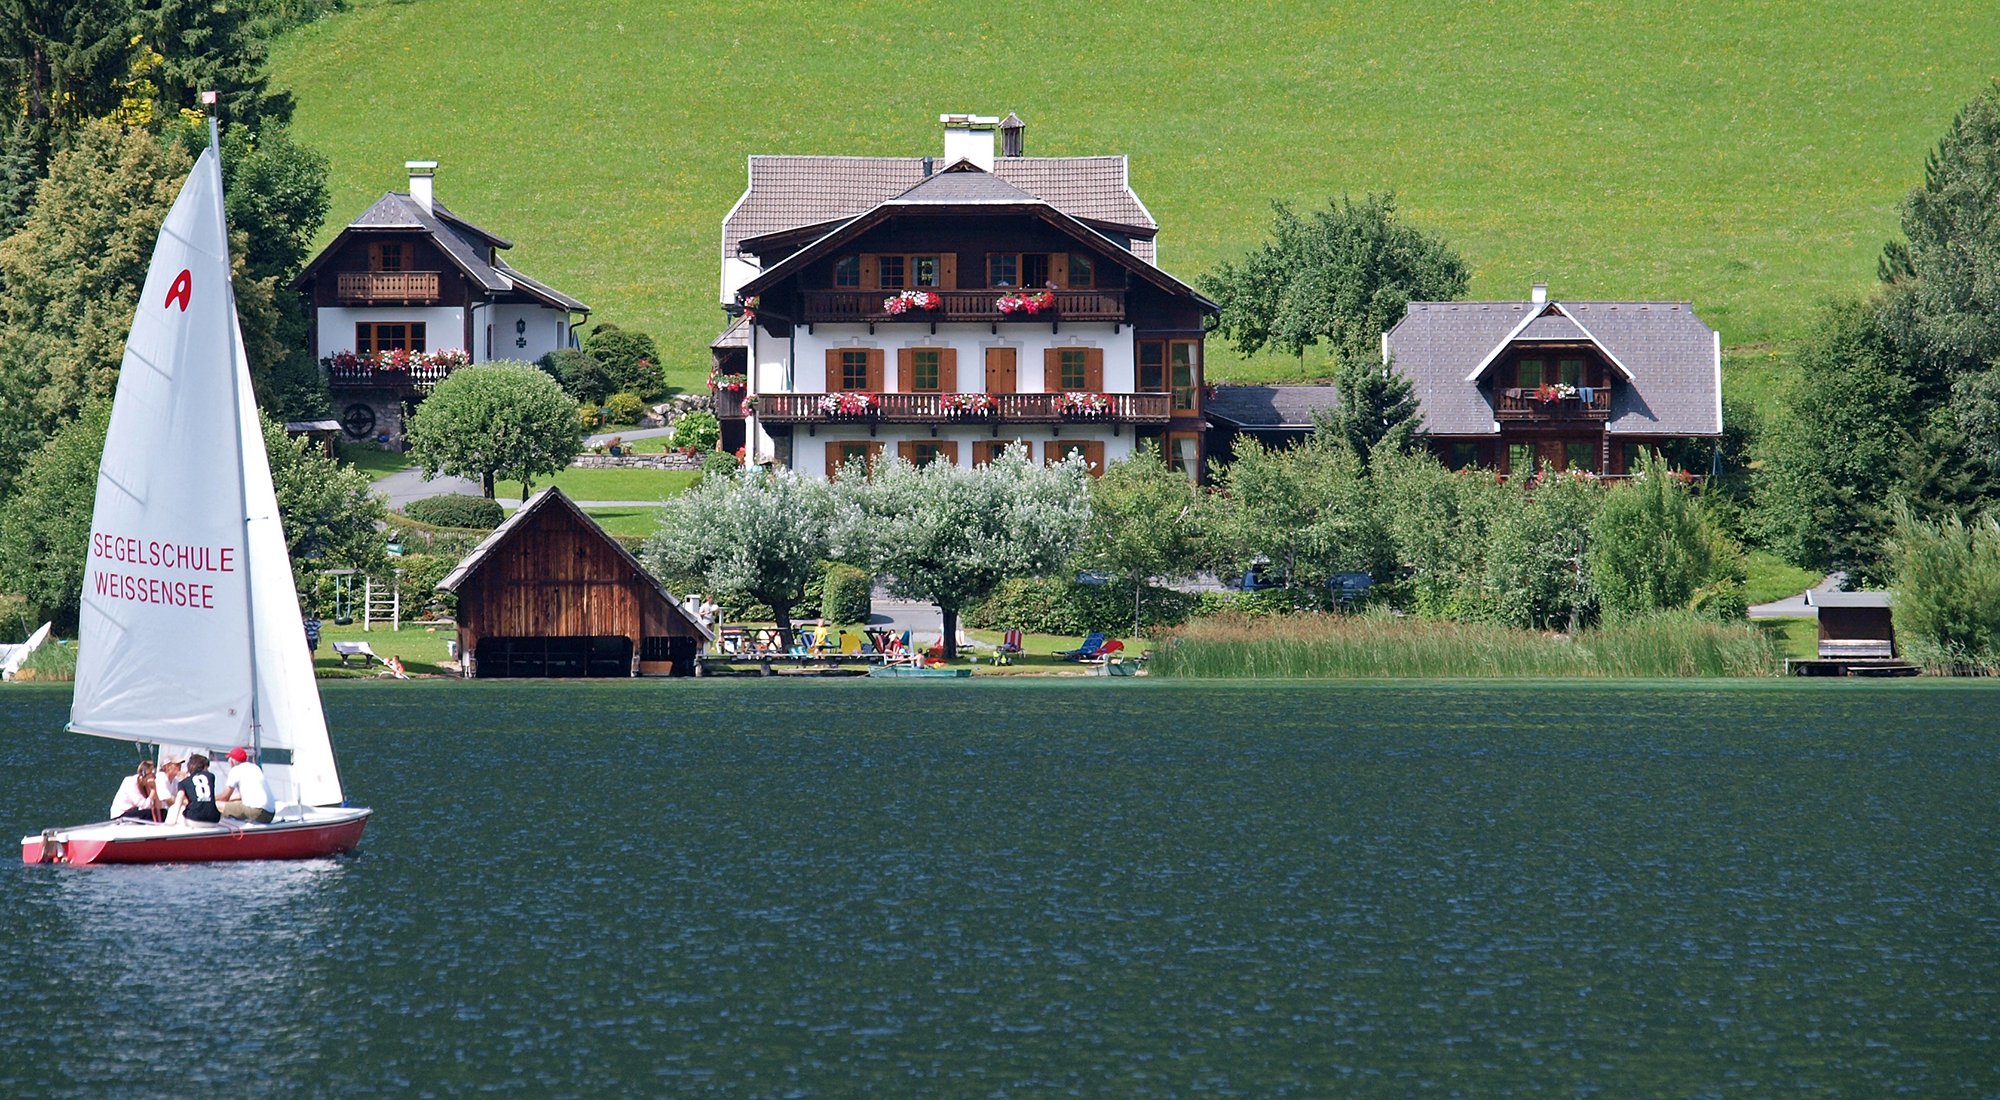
point(1144, 889)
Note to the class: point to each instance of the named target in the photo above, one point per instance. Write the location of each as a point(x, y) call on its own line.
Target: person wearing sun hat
point(248, 796)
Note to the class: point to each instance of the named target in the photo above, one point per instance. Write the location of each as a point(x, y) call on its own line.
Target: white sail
point(187, 562)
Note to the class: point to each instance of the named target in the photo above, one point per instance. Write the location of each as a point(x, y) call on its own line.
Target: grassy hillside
point(1747, 156)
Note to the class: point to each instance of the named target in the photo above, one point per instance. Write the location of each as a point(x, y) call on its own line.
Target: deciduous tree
point(1142, 523)
point(759, 533)
point(499, 420)
point(329, 509)
point(1341, 275)
point(949, 534)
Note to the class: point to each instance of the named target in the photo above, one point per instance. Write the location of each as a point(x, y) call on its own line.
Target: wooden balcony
point(729, 404)
point(406, 288)
point(1524, 405)
point(978, 306)
point(929, 408)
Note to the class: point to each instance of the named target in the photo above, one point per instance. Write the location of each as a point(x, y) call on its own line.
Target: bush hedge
point(456, 510)
point(846, 594)
point(624, 408)
point(698, 428)
point(1053, 605)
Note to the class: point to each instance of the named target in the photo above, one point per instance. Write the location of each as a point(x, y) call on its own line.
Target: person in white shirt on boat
point(246, 795)
point(137, 796)
point(167, 784)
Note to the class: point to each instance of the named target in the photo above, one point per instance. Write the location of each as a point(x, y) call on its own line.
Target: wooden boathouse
point(548, 593)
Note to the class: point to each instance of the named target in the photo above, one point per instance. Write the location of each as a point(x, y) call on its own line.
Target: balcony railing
point(1006, 408)
point(831, 307)
point(1524, 405)
point(405, 287)
point(416, 376)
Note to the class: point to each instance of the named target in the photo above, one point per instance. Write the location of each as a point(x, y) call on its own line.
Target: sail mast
point(242, 477)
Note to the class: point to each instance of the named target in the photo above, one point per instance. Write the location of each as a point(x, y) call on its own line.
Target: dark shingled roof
point(791, 192)
point(1672, 357)
point(1269, 408)
point(465, 243)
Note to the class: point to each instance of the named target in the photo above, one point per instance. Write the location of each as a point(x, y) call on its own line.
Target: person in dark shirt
point(312, 633)
point(197, 797)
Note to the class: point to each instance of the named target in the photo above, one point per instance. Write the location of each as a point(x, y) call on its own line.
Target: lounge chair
point(355, 649)
point(1110, 649)
point(1087, 650)
point(1010, 642)
point(850, 644)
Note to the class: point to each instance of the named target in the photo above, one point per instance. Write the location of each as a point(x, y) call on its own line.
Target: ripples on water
point(1145, 889)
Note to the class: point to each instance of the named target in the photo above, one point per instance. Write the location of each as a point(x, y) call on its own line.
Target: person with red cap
point(248, 796)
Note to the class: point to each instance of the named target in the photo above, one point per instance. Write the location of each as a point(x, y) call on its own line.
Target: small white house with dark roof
point(1540, 384)
point(946, 308)
point(407, 291)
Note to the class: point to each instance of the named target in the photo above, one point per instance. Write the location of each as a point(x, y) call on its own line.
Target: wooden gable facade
point(549, 594)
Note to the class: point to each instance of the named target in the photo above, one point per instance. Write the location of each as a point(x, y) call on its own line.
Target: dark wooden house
point(550, 594)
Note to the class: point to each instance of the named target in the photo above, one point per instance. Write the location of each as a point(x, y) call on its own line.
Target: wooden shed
point(1854, 624)
point(550, 594)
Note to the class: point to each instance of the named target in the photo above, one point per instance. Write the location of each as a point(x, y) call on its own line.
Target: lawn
point(581, 484)
point(630, 522)
point(421, 648)
point(1748, 158)
point(372, 460)
point(1773, 578)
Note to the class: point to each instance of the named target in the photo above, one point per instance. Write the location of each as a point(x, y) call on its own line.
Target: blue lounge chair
point(1085, 651)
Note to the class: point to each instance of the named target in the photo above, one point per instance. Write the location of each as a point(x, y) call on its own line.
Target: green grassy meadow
point(614, 484)
point(1746, 156)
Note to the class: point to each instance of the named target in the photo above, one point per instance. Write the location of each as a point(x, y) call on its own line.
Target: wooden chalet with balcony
point(1524, 386)
point(408, 292)
point(944, 309)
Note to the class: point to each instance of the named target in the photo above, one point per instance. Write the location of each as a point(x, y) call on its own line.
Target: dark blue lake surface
point(1037, 889)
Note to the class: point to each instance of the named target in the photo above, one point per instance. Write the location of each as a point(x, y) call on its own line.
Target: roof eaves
point(1608, 353)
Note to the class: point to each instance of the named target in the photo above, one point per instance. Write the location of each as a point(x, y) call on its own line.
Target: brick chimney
point(421, 172)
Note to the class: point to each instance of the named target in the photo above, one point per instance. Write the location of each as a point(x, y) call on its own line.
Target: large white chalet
point(946, 307)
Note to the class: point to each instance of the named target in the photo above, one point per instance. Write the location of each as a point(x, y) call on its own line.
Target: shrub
point(631, 360)
point(1058, 605)
point(456, 511)
point(624, 408)
point(417, 578)
point(846, 594)
point(1653, 548)
point(1948, 591)
point(580, 374)
point(719, 464)
point(698, 428)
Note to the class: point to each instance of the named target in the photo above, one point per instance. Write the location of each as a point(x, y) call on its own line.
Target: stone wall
point(674, 461)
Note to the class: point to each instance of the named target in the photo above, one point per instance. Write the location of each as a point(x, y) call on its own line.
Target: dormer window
point(847, 272)
point(1035, 269)
point(1003, 269)
point(923, 271)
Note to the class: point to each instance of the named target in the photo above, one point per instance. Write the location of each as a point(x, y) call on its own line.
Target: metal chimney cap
point(976, 122)
point(421, 167)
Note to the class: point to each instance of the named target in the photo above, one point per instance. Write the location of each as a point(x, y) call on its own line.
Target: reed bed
point(54, 661)
point(1369, 646)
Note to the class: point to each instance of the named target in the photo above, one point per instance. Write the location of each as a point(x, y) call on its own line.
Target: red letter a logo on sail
point(183, 286)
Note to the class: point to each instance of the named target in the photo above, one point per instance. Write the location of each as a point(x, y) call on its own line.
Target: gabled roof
point(467, 245)
point(792, 192)
point(1672, 360)
point(553, 497)
point(971, 187)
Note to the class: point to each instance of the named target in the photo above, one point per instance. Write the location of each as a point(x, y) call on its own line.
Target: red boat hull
point(302, 840)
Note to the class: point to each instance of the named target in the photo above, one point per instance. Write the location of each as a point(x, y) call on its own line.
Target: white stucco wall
point(444, 325)
point(520, 332)
point(735, 272)
point(809, 450)
point(970, 341)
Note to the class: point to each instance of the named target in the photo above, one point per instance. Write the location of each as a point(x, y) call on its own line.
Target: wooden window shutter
point(874, 456)
point(1051, 370)
point(871, 272)
point(1093, 453)
point(832, 460)
point(907, 451)
point(874, 370)
point(833, 378)
point(1059, 268)
point(949, 450)
point(948, 271)
point(375, 255)
point(948, 371)
point(1093, 370)
point(906, 368)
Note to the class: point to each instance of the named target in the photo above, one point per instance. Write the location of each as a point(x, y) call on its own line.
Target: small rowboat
point(917, 670)
point(320, 832)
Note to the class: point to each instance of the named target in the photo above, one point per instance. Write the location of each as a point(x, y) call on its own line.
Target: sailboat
point(190, 637)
